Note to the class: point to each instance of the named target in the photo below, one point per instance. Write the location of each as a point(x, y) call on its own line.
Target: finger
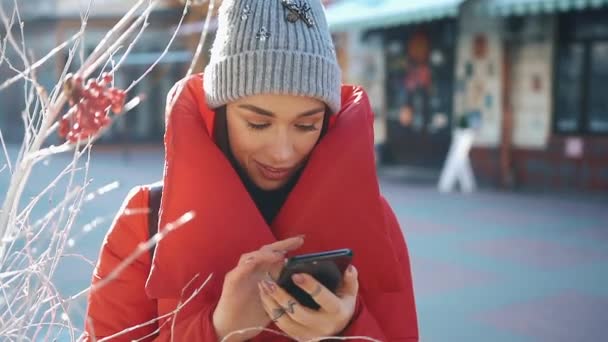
point(286, 245)
point(275, 271)
point(273, 308)
point(350, 284)
point(326, 299)
point(245, 258)
point(297, 312)
point(280, 316)
point(261, 257)
point(253, 262)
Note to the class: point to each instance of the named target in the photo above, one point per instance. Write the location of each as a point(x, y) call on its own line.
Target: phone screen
point(327, 267)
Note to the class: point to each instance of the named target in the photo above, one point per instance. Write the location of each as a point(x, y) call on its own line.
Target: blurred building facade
point(48, 23)
point(528, 75)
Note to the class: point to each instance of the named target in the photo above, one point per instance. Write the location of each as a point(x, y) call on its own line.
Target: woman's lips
point(272, 173)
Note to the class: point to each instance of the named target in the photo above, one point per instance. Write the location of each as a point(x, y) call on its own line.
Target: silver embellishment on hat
point(262, 34)
point(245, 13)
point(298, 9)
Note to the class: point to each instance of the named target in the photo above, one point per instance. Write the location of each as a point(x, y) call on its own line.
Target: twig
point(167, 315)
point(167, 46)
point(247, 330)
point(39, 63)
point(51, 185)
point(143, 248)
point(130, 47)
point(41, 222)
point(88, 68)
point(6, 156)
point(9, 34)
point(121, 24)
point(179, 304)
point(203, 38)
point(62, 238)
point(62, 303)
point(58, 89)
point(199, 49)
point(81, 257)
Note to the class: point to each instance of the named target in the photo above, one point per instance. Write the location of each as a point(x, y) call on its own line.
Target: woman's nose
point(281, 149)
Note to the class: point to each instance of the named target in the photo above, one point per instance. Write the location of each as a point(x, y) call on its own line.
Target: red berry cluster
point(90, 105)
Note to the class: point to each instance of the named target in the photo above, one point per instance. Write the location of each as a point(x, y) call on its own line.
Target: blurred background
point(524, 258)
point(529, 75)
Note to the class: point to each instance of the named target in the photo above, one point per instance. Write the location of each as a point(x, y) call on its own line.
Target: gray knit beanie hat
point(272, 47)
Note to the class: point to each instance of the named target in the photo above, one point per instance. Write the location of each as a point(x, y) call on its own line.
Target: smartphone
point(327, 267)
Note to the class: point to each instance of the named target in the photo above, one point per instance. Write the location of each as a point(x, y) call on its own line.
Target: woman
point(275, 158)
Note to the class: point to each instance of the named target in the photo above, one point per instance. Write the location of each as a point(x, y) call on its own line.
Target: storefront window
point(569, 82)
point(598, 100)
point(581, 74)
point(419, 88)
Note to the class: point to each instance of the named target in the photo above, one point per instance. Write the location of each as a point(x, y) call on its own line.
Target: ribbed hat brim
point(272, 72)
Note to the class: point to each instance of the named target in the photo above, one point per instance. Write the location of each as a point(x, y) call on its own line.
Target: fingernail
point(350, 269)
point(301, 236)
point(270, 286)
point(298, 279)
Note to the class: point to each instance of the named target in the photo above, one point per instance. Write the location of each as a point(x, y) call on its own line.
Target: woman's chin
point(269, 185)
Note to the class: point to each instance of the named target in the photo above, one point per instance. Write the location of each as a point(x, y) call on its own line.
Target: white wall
point(478, 84)
point(532, 84)
point(366, 67)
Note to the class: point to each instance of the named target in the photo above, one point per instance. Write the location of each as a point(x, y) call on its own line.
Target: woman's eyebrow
point(257, 110)
point(311, 112)
point(265, 112)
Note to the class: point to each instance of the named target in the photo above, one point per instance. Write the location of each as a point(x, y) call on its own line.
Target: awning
point(369, 14)
point(524, 7)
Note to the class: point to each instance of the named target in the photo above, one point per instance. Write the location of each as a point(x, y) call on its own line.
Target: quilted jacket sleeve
point(118, 301)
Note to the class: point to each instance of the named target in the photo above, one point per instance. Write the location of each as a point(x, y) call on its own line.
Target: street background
point(524, 257)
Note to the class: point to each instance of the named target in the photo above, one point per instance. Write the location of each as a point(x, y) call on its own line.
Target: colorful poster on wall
point(477, 99)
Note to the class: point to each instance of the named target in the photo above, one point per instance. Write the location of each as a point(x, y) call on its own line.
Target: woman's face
point(272, 135)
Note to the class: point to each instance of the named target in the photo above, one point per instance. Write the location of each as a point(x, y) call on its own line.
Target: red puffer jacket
point(336, 204)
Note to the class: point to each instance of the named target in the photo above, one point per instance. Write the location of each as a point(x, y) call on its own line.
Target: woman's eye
point(307, 128)
point(257, 126)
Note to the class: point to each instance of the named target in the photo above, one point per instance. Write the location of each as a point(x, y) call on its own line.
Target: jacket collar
point(336, 202)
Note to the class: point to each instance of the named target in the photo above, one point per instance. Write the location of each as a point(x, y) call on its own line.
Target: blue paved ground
point(506, 267)
point(491, 266)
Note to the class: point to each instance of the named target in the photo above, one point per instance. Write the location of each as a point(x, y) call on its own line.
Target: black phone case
point(327, 267)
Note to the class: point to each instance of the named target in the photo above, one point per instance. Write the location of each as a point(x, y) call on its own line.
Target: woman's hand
point(240, 306)
point(302, 323)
